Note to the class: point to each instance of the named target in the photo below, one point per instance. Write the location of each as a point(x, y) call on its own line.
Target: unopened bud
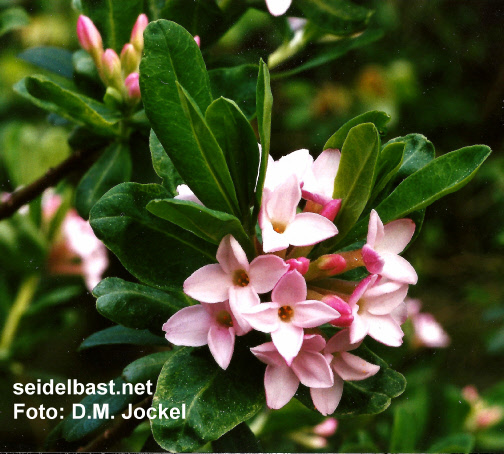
point(111, 69)
point(326, 428)
point(132, 85)
point(130, 59)
point(300, 264)
point(198, 40)
point(90, 38)
point(331, 209)
point(346, 318)
point(137, 32)
point(334, 263)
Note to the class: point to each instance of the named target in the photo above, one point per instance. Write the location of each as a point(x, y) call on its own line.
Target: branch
point(76, 161)
point(122, 429)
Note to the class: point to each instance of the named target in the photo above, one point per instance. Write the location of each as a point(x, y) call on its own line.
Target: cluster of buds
point(305, 294)
point(482, 415)
point(118, 73)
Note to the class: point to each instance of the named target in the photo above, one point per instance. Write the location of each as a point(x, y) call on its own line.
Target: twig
point(120, 430)
point(77, 161)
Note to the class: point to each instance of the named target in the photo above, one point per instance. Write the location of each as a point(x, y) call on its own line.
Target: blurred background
point(438, 70)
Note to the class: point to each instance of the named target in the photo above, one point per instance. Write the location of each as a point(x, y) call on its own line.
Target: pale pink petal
point(340, 342)
point(312, 370)
point(331, 209)
point(375, 229)
point(429, 332)
point(221, 343)
point(313, 343)
point(291, 289)
point(398, 268)
point(386, 302)
point(326, 400)
point(373, 261)
point(263, 317)
point(283, 201)
point(185, 193)
point(209, 284)
point(309, 228)
point(242, 299)
point(189, 326)
point(413, 306)
point(273, 241)
point(295, 163)
point(278, 7)
point(288, 340)
point(385, 329)
point(351, 367)
point(265, 271)
point(400, 313)
point(324, 171)
point(358, 329)
point(268, 354)
point(231, 256)
point(280, 384)
point(361, 289)
point(397, 235)
point(311, 313)
point(326, 428)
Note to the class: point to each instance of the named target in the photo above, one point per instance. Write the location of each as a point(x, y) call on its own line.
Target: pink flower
point(346, 367)
point(281, 381)
point(197, 39)
point(296, 163)
point(185, 193)
point(202, 324)
point(427, 331)
point(301, 264)
point(318, 183)
point(235, 279)
point(288, 314)
point(378, 309)
point(282, 226)
point(278, 7)
point(384, 243)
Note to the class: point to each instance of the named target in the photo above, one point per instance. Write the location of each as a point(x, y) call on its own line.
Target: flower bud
point(130, 59)
point(331, 209)
point(300, 264)
point(198, 40)
point(326, 428)
point(137, 32)
point(132, 85)
point(90, 38)
point(334, 263)
point(346, 317)
point(111, 69)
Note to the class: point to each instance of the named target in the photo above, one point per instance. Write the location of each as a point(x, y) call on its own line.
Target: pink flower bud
point(198, 40)
point(133, 86)
point(111, 69)
point(137, 32)
point(488, 417)
point(334, 263)
point(342, 307)
point(470, 393)
point(89, 36)
point(301, 264)
point(331, 209)
point(130, 59)
point(326, 428)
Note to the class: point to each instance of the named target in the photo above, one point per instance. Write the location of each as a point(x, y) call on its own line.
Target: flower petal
point(268, 354)
point(231, 256)
point(323, 173)
point(291, 288)
point(273, 241)
point(280, 384)
point(265, 271)
point(397, 235)
point(185, 193)
point(358, 329)
point(375, 229)
point(310, 314)
point(398, 269)
point(361, 289)
point(313, 343)
point(209, 284)
point(386, 302)
point(373, 261)
point(351, 367)
point(242, 299)
point(189, 326)
point(340, 342)
point(288, 340)
point(326, 400)
point(385, 329)
point(221, 343)
point(309, 228)
point(282, 202)
point(263, 317)
point(312, 370)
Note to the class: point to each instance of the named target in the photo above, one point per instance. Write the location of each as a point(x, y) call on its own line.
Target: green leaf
point(237, 140)
point(146, 368)
point(122, 335)
point(238, 439)
point(209, 225)
point(379, 119)
point(13, 18)
point(339, 17)
point(113, 19)
point(237, 83)
point(264, 106)
point(163, 165)
point(137, 306)
point(112, 168)
point(155, 251)
point(418, 152)
point(389, 162)
point(454, 443)
point(75, 429)
point(216, 400)
point(59, 295)
point(54, 59)
point(440, 177)
point(175, 113)
point(84, 111)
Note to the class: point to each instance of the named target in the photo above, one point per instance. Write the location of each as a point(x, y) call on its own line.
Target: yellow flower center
point(285, 313)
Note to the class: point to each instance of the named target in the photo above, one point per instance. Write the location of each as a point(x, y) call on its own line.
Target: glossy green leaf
point(264, 106)
point(208, 224)
point(389, 161)
point(216, 400)
point(378, 118)
point(237, 83)
point(163, 165)
point(59, 295)
point(237, 140)
point(76, 429)
point(155, 251)
point(238, 439)
point(112, 168)
point(137, 306)
point(122, 335)
point(462, 443)
point(13, 18)
point(146, 368)
point(418, 152)
point(339, 17)
point(114, 19)
point(84, 111)
point(175, 112)
point(54, 59)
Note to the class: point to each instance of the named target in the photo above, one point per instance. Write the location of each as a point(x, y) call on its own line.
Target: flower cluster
point(305, 294)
